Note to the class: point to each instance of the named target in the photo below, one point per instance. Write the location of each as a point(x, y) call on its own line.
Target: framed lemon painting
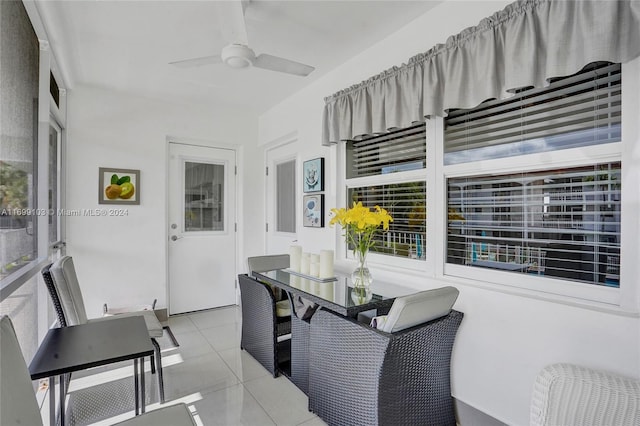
point(118, 186)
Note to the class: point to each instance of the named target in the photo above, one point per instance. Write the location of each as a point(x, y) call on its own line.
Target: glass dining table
point(332, 294)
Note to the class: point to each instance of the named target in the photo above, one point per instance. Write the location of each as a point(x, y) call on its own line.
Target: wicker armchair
point(359, 375)
point(260, 325)
point(570, 395)
point(299, 350)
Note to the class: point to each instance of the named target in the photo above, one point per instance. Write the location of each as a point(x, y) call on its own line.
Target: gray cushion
point(18, 405)
point(418, 308)
point(267, 263)
point(65, 280)
point(174, 415)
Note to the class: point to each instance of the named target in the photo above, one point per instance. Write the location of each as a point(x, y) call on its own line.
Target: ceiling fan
point(238, 54)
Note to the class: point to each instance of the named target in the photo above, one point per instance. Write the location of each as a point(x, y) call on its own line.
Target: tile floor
point(221, 384)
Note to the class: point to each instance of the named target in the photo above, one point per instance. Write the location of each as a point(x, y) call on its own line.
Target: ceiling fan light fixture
point(237, 56)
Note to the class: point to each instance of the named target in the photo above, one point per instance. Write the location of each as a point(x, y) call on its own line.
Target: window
point(19, 55)
point(286, 196)
point(389, 171)
point(539, 218)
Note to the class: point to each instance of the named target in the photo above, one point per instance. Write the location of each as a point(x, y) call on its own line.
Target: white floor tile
point(283, 401)
point(244, 366)
point(215, 317)
point(180, 324)
point(202, 374)
point(231, 406)
point(223, 336)
point(192, 344)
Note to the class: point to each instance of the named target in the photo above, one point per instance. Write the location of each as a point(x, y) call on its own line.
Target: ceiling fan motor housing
point(237, 56)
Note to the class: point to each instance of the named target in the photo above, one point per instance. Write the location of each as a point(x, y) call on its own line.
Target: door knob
point(175, 238)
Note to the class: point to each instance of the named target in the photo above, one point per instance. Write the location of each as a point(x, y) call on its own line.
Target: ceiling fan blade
point(231, 19)
point(275, 63)
point(197, 62)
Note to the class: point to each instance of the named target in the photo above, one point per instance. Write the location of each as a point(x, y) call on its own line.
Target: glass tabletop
point(334, 295)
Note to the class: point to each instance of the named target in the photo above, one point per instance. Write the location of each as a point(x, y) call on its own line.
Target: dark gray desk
point(333, 295)
point(68, 349)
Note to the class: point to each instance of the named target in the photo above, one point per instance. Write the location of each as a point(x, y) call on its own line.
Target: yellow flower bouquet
point(360, 224)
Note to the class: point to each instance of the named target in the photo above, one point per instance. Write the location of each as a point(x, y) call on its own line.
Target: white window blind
point(562, 223)
point(579, 110)
point(397, 151)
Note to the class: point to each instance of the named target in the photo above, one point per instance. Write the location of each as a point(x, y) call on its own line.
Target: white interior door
point(202, 236)
point(282, 198)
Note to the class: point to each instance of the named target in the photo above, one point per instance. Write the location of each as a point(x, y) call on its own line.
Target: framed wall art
point(313, 211)
point(118, 186)
point(313, 174)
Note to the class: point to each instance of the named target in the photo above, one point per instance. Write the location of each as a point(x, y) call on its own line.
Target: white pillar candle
point(305, 263)
point(314, 269)
point(326, 291)
point(295, 253)
point(326, 264)
point(305, 284)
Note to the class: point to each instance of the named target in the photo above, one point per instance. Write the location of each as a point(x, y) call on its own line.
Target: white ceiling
point(127, 45)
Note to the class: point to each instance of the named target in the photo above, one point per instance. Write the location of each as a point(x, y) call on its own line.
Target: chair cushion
point(174, 415)
point(418, 308)
point(18, 405)
point(283, 309)
point(150, 318)
point(66, 282)
point(267, 263)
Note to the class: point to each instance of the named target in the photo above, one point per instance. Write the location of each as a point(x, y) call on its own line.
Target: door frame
point(279, 143)
point(238, 203)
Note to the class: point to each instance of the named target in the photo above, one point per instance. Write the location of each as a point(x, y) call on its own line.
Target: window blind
point(406, 203)
point(561, 223)
point(393, 152)
point(579, 110)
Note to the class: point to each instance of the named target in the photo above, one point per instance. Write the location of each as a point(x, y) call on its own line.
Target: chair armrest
point(570, 394)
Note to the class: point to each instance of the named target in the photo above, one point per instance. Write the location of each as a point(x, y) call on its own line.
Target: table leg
point(52, 401)
point(63, 394)
point(135, 385)
point(142, 389)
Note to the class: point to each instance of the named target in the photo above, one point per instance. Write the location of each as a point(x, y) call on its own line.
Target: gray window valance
point(525, 44)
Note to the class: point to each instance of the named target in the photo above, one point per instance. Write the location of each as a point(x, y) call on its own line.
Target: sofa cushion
point(418, 308)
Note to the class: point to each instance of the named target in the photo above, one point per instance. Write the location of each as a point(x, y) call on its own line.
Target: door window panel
point(203, 197)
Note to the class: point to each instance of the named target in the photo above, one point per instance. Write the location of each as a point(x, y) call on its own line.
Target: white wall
point(505, 338)
point(118, 256)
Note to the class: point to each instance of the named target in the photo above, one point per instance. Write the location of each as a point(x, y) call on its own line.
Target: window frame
point(380, 261)
point(626, 296)
point(624, 300)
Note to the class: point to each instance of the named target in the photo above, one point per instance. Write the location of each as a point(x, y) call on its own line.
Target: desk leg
point(142, 390)
point(63, 395)
point(52, 401)
point(135, 385)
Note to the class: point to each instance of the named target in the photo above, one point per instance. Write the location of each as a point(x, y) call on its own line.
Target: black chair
point(18, 404)
point(64, 289)
point(260, 326)
point(359, 375)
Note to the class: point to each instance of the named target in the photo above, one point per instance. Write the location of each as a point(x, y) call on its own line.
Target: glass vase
point(361, 280)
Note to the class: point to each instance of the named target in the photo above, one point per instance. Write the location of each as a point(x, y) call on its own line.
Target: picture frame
point(313, 175)
point(313, 211)
point(127, 182)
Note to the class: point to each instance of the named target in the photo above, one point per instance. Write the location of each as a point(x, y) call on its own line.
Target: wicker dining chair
point(361, 375)
point(18, 403)
point(64, 289)
point(260, 325)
